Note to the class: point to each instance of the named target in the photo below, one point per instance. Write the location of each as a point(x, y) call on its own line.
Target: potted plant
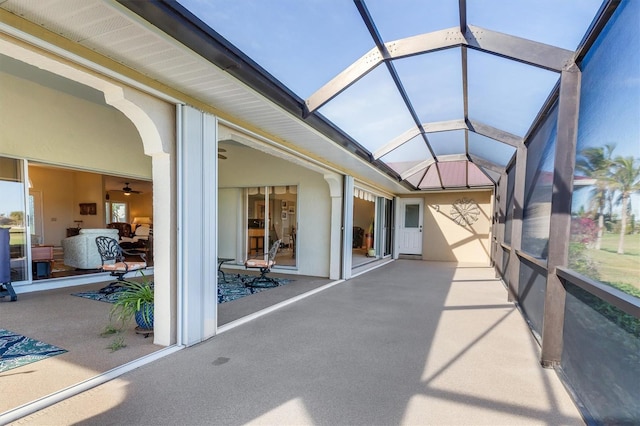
point(135, 300)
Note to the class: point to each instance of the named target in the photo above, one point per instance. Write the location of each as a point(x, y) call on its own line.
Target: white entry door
point(411, 216)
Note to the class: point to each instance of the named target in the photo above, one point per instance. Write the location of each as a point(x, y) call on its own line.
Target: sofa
point(81, 251)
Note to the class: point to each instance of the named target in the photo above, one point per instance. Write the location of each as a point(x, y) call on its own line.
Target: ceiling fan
point(127, 189)
point(220, 156)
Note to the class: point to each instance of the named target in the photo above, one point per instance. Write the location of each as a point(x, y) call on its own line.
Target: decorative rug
point(17, 350)
point(101, 297)
point(235, 289)
point(227, 291)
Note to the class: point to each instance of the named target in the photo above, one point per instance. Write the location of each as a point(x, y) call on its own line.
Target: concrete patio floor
point(408, 343)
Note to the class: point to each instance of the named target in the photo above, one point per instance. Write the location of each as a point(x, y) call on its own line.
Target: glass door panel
point(255, 221)
point(13, 215)
point(365, 245)
point(388, 227)
point(283, 210)
point(272, 216)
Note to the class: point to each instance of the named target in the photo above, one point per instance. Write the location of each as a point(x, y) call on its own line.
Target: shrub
point(580, 261)
point(584, 230)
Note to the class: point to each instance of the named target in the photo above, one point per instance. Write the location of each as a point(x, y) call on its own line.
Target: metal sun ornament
point(465, 211)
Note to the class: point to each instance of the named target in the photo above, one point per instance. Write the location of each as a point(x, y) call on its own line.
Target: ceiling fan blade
point(128, 190)
point(222, 150)
point(222, 157)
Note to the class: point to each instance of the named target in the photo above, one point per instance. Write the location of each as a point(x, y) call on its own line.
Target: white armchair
point(81, 251)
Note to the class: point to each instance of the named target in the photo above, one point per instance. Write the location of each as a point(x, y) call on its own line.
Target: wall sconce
point(436, 207)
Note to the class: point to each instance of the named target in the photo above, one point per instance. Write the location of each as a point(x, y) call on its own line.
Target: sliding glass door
point(386, 219)
point(13, 215)
point(272, 216)
point(257, 222)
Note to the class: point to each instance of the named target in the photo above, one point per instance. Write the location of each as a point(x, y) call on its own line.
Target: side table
point(41, 260)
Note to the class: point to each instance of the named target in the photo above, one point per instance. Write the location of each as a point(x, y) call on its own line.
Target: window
point(118, 212)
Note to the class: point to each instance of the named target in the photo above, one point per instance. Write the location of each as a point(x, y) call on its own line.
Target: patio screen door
point(410, 232)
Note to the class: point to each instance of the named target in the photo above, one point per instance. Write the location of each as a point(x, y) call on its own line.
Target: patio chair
point(114, 261)
point(264, 265)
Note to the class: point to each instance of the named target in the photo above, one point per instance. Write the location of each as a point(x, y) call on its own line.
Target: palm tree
point(595, 162)
point(626, 179)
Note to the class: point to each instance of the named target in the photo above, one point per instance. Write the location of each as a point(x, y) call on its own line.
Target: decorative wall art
point(465, 211)
point(88, 208)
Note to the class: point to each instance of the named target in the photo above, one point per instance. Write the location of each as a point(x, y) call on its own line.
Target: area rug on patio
point(101, 297)
point(234, 288)
point(17, 350)
point(230, 290)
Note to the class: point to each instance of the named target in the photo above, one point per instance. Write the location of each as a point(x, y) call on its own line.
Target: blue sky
point(12, 196)
point(306, 43)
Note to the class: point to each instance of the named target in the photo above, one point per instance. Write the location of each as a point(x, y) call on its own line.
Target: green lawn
point(17, 236)
point(618, 268)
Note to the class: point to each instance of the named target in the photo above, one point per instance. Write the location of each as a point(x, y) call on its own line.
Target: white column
point(164, 251)
point(335, 226)
point(197, 224)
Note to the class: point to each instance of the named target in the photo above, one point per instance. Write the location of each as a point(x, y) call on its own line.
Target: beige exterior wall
point(248, 167)
point(58, 128)
point(445, 240)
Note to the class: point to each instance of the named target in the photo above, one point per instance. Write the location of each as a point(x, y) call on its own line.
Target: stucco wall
point(445, 240)
point(58, 128)
point(246, 167)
